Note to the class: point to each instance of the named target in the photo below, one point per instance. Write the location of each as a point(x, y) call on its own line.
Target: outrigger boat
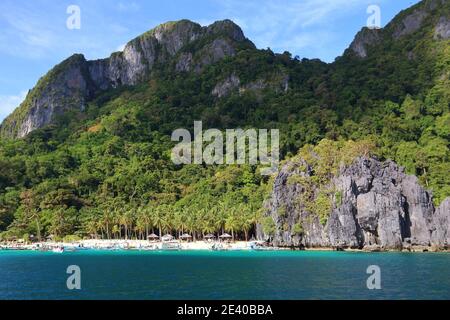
point(58, 250)
point(218, 247)
point(171, 245)
point(260, 246)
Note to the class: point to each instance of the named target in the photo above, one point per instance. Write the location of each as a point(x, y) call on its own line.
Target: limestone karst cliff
point(374, 205)
point(184, 44)
point(422, 15)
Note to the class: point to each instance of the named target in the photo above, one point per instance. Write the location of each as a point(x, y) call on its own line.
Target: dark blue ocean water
point(224, 275)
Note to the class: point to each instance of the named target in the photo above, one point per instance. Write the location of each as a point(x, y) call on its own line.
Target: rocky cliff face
point(420, 17)
point(375, 205)
point(442, 31)
point(363, 40)
point(69, 85)
point(64, 88)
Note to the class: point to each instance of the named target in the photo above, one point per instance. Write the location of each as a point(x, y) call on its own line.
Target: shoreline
point(145, 245)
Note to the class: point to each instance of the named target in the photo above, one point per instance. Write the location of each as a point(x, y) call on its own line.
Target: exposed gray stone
point(365, 38)
point(253, 86)
point(213, 52)
point(65, 89)
point(442, 30)
point(76, 82)
point(341, 228)
point(184, 62)
point(441, 225)
point(226, 86)
point(420, 211)
point(410, 23)
point(226, 27)
point(379, 207)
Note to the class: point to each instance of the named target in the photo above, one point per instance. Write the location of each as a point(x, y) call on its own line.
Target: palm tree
point(222, 212)
point(30, 202)
point(107, 219)
point(140, 228)
point(168, 224)
point(191, 221)
point(116, 231)
point(91, 226)
point(158, 218)
point(58, 222)
point(148, 219)
point(101, 227)
point(245, 220)
point(180, 223)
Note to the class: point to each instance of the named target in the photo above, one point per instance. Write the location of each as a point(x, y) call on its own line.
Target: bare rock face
point(378, 205)
point(286, 212)
point(226, 86)
point(76, 80)
point(441, 224)
point(184, 62)
point(140, 55)
point(405, 24)
point(420, 211)
point(162, 44)
point(227, 27)
point(410, 23)
point(442, 31)
point(62, 89)
point(365, 38)
point(213, 52)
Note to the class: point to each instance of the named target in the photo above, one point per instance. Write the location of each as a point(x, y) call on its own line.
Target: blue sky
point(34, 36)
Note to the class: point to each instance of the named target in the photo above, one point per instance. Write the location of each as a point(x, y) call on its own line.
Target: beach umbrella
point(186, 236)
point(209, 236)
point(167, 237)
point(225, 236)
point(152, 236)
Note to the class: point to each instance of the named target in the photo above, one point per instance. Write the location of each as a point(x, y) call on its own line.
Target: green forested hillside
point(107, 171)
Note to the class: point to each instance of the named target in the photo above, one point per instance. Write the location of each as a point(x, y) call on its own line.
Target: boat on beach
point(172, 245)
point(218, 247)
point(260, 246)
point(58, 250)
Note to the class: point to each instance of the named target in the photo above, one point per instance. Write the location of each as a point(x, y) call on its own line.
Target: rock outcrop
point(442, 31)
point(441, 224)
point(363, 40)
point(420, 17)
point(184, 44)
point(410, 23)
point(66, 87)
point(375, 204)
point(278, 82)
point(224, 87)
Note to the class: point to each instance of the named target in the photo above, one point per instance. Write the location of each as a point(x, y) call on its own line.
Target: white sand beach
point(99, 244)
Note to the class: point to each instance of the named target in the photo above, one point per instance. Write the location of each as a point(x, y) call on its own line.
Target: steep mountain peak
point(184, 44)
point(365, 38)
point(226, 27)
point(67, 86)
point(173, 35)
point(433, 15)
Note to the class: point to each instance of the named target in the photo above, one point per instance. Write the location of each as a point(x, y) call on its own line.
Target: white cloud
point(204, 22)
point(291, 25)
point(121, 47)
point(27, 31)
point(9, 103)
point(36, 33)
point(128, 6)
point(118, 28)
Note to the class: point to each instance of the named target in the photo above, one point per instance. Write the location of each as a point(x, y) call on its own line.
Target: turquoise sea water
point(224, 275)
